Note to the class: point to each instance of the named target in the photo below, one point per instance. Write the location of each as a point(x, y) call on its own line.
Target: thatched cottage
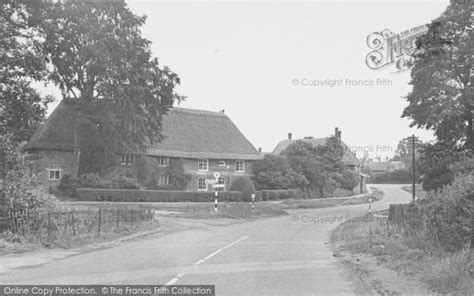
point(206, 142)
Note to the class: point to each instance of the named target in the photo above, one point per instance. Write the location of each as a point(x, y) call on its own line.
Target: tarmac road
point(287, 255)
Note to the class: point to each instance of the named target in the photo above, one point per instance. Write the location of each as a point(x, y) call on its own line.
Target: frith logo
point(405, 48)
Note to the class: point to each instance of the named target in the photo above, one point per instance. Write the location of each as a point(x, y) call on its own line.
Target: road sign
point(370, 200)
point(210, 181)
point(217, 175)
point(218, 186)
point(252, 196)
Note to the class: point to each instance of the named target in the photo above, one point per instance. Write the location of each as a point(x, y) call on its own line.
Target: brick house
point(206, 141)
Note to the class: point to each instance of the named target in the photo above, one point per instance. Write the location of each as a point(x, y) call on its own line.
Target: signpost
point(413, 165)
point(370, 200)
point(216, 181)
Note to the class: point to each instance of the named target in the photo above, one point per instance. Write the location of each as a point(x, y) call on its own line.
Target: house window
point(221, 181)
point(54, 175)
point(239, 166)
point(164, 161)
point(203, 165)
point(202, 186)
point(128, 159)
point(164, 180)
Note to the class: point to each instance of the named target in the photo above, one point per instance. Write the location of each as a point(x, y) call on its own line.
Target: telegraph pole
point(413, 165)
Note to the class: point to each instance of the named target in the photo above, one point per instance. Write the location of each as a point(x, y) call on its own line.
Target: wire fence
point(59, 225)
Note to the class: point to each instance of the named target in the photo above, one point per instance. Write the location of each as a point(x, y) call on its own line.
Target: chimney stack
point(337, 133)
point(260, 150)
point(289, 136)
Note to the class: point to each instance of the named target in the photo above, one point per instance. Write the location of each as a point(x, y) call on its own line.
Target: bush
point(275, 172)
point(400, 176)
point(445, 218)
point(92, 180)
point(280, 194)
point(448, 215)
point(244, 185)
point(122, 182)
point(68, 185)
point(348, 180)
point(148, 171)
point(123, 195)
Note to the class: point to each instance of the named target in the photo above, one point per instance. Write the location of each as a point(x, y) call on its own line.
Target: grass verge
point(198, 210)
point(419, 192)
point(407, 254)
point(331, 202)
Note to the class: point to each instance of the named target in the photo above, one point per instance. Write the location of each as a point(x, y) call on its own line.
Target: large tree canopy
point(21, 107)
point(442, 98)
point(99, 58)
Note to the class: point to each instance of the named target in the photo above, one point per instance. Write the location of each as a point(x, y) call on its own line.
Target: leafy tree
point(442, 97)
point(404, 152)
point(21, 107)
point(179, 178)
point(434, 165)
point(275, 172)
point(99, 58)
point(148, 171)
point(321, 165)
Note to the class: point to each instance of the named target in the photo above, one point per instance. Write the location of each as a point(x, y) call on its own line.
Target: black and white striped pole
point(253, 201)
point(216, 175)
point(370, 200)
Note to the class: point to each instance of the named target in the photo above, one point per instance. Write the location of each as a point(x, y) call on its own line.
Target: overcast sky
point(251, 59)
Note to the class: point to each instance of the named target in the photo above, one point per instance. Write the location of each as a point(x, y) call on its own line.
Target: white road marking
point(174, 280)
point(177, 277)
point(220, 250)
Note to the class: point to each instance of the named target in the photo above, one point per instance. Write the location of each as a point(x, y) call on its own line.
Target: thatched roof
point(188, 133)
point(348, 158)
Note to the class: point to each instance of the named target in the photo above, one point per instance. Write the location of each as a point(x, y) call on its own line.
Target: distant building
point(349, 158)
point(208, 142)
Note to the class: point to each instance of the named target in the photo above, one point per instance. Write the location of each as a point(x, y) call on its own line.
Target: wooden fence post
point(73, 223)
point(100, 214)
point(117, 212)
point(49, 226)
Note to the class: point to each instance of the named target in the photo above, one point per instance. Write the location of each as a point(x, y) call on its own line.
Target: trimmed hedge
point(280, 194)
point(124, 195)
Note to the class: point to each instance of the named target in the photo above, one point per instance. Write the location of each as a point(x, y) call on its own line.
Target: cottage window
point(164, 161)
point(221, 181)
point(239, 166)
point(164, 180)
point(202, 186)
point(54, 175)
point(128, 159)
point(203, 165)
